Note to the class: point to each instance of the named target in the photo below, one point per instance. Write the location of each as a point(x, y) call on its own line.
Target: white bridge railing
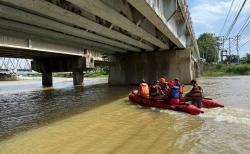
point(14, 65)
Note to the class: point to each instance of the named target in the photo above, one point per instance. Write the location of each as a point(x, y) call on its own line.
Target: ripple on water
point(229, 115)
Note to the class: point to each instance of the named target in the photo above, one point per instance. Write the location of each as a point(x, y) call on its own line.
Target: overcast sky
point(209, 16)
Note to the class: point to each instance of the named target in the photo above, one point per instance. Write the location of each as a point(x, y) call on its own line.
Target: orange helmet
point(163, 80)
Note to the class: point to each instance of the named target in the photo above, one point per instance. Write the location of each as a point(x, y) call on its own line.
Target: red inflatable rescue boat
point(188, 108)
point(206, 103)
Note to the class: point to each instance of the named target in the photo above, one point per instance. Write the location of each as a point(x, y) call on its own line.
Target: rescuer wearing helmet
point(178, 84)
point(155, 91)
point(163, 85)
point(173, 94)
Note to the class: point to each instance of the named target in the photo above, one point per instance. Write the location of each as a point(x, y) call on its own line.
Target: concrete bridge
point(143, 38)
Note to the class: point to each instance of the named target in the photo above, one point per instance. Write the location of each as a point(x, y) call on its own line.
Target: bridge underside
point(145, 38)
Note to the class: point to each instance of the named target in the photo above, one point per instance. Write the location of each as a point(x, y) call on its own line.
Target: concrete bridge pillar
point(131, 68)
point(47, 80)
point(70, 64)
point(78, 78)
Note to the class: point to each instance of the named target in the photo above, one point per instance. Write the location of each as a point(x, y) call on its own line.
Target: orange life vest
point(143, 90)
point(181, 89)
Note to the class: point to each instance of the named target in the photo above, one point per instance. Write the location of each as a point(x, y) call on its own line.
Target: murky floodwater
point(100, 119)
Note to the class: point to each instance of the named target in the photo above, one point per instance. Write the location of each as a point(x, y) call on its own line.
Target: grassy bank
point(59, 74)
point(99, 72)
point(223, 70)
point(94, 73)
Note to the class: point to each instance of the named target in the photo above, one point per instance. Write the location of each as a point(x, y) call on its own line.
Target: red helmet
point(163, 80)
point(171, 83)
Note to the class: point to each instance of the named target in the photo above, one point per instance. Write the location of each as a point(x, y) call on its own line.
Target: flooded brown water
point(100, 119)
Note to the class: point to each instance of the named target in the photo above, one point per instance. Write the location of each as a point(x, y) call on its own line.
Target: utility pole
point(229, 44)
point(229, 49)
point(237, 48)
point(221, 51)
point(223, 41)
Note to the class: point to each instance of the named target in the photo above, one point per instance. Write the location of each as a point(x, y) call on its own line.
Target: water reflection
point(31, 109)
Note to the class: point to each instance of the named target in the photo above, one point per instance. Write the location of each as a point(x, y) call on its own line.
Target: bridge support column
point(78, 78)
point(61, 64)
point(47, 80)
point(131, 68)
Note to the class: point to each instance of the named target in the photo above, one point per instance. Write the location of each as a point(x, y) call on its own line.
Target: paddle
point(207, 98)
point(204, 98)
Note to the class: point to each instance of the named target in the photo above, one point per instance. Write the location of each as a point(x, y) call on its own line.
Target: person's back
point(195, 95)
point(163, 86)
point(196, 92)
point(155, 91)
point(174, 96)
point(143, 89)
point(178, 84)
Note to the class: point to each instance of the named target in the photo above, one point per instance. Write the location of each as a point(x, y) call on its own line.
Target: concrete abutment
point(131, 68)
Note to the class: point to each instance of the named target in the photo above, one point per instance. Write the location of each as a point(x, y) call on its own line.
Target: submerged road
point(100, 119)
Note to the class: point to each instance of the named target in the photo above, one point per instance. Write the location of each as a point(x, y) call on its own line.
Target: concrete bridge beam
point(50, 10)
point(161, 16)
point(182, 28)
point(99, 8)
point(169, 8)
point(24, 17)
point(21, 16)
point(11, 25)
point(131, 68)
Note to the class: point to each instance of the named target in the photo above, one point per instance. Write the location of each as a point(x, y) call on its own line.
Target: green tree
point(208, 46)
point(248, 58)
point(232, 59)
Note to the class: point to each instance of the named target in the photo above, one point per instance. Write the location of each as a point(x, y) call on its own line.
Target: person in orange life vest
point(173, 93)
point(164, 85)
point(143, 89)
point(178, 84)
point(195, 95)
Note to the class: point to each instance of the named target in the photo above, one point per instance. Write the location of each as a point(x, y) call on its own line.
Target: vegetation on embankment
point(9, 77)
point(224, 70)
point(93, 73)
point(58, 74)
point(97, 72)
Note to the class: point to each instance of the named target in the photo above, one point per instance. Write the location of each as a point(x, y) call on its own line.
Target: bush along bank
point(97, 72)
point(93, 73)
point(224, 70)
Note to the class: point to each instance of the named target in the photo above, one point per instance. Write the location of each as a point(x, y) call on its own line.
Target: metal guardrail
point(186, 12)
